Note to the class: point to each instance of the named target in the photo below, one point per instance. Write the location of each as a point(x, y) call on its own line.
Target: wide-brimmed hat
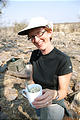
point(35, 23)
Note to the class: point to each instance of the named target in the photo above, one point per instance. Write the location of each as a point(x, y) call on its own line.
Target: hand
point(46, 98)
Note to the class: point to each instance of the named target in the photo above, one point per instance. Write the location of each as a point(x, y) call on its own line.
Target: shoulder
point(36, 52)
point(61, 55)
point(65, 65)
point(35, 55)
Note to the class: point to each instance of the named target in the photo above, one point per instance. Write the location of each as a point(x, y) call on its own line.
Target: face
point(40, 38)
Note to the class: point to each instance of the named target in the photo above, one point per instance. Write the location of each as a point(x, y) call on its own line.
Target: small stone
point(11, 94)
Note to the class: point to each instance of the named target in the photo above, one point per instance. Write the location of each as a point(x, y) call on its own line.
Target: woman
point(51, 68)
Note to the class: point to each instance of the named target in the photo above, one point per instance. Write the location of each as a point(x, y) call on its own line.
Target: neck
point(48, 50)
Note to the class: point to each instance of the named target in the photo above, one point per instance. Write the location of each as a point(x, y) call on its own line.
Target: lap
point(52, 112)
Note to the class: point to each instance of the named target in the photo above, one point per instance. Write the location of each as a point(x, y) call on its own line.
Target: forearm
point(63, 85)
point(61, 94)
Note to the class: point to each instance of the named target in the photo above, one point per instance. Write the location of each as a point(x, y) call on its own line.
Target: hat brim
point(26, 30)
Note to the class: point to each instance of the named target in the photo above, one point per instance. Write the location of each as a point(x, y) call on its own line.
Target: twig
point(71, 94)
point(24, 113)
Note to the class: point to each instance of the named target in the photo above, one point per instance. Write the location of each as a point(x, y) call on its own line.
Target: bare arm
point(64, 81)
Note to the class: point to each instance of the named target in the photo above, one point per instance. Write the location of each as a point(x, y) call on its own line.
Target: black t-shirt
point(47, 68)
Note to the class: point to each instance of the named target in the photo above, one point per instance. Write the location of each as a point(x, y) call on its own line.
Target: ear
point(50, 33)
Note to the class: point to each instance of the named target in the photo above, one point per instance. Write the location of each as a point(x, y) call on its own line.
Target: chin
point(41, 49)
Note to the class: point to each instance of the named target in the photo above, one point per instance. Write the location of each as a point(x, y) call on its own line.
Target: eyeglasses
point(40, 34)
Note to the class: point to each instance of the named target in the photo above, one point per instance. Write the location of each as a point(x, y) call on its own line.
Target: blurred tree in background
point(18, 26)
point(2, 5)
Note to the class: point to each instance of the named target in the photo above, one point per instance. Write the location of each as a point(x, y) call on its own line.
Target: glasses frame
point(39, 35)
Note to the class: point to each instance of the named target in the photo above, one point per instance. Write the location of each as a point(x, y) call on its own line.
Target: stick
point(24, 113)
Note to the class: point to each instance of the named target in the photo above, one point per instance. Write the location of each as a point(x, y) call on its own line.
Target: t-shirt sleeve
point(65, 66)
point(31, 58)
point(34, 56)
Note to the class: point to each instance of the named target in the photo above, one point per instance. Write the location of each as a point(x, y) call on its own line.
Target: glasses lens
point(38, 35)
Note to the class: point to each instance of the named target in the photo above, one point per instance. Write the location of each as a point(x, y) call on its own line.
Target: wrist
point(57, 97)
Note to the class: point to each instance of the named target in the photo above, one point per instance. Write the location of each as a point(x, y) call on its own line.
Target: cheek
point(46, 40)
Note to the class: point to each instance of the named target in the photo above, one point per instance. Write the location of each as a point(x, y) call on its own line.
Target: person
point(51, 68)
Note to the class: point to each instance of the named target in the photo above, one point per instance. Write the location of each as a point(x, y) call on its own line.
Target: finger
point(43, 96)
point(42, 102)
point(44, 105)
point(44, 90)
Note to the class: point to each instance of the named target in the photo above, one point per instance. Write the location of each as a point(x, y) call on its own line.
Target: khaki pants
point(52, 112)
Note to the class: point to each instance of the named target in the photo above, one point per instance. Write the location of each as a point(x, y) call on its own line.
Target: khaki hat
point(35, 23)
